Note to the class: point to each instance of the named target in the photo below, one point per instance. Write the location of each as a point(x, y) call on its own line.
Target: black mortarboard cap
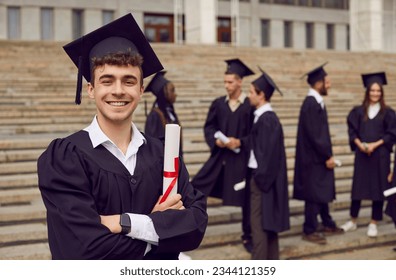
point(316, 74)
point(266, 84)
point(236, 66)
point(157, 83)
point(379, 77)
point(121, 35)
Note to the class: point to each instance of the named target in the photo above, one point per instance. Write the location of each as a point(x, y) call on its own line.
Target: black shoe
point(316, 237)
point(247, 243)
point(332, 231)
point(394, 249)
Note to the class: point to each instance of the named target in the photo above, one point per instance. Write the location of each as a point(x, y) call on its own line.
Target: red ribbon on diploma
point(171, 174)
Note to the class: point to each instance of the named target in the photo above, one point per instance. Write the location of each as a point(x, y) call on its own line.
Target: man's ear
point(91, 91)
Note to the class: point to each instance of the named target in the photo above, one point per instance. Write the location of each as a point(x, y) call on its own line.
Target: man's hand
point(330, 163)
point(220, 143)
point(112, 222)
point(234, 143)
point(172, 202)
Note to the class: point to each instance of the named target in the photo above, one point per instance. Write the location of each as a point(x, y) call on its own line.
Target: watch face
point(125, 223)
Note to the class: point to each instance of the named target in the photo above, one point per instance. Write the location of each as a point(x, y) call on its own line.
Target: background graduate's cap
point(266, 84)
point(157, 83)
point(316, 74)
point(379, 77)
point(236, 66)
point(120, 36)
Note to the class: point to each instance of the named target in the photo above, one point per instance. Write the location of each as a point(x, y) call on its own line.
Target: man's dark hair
point(228, 72)
point(118, 59)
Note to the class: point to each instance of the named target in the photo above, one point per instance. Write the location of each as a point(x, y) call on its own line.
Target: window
point(309, 35)
point(303, 3)
point(288, 34)
point(265, 33)
point(316, 3)
point(77, 23)
point(158, 28)
point(47, 24)
point(14, 23)
point(330, 36)
point(284, 2)
point(336, 4)
point(224, 30)
point(107, 17)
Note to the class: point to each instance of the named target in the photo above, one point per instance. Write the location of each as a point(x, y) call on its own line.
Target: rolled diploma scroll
point(171, 160)
point(390, 191)
point(225, 140)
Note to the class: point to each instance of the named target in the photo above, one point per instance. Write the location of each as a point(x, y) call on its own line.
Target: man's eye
point(129, 83)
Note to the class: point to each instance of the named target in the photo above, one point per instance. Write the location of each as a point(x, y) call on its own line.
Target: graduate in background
point(162, 112)
point(391, 204)
point(102, 185)
point(314, 162)
point(232, 115)
point(267, 163)
point(372, 133)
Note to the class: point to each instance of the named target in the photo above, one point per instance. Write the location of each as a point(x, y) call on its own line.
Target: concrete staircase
point(37, 94)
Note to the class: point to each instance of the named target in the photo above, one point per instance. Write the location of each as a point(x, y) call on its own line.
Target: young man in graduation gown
point(101, 186)
point(226, 167)
point(269, 197)
point(162, 112)
point(314, 163)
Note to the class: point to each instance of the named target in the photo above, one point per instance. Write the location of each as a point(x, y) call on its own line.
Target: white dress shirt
point(142, 226)
point(317, 96)
point(257, 113)
point(373, 110)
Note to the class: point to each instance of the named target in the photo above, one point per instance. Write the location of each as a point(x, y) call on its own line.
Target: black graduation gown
point(313, 181)
point(236, 124)
point(78, 183)
point(154, 124)
point(371, 172)
point(390, 209)
point(271, 174)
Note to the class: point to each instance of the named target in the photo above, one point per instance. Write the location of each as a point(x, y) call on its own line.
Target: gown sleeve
point(154, 126)
point(182, 230)
point(353, 121)
point(315, 130)
point(268, 152)
point(74, 227)
point(211, 126)
point(390, 129)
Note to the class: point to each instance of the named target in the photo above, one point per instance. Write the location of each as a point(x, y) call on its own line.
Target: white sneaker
point(349, 226)
point(372, 230)
point(183, 256)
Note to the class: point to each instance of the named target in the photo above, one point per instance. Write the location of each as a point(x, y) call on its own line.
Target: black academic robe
point(78, 183)
point(270, 176)
point(313, 181)
point(371, 172)
point(155, 123)
point(233, 124)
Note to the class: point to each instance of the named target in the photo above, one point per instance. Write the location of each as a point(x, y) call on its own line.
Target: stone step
point(14, 234)
point(38, 251)
point(293, 247)
point(19, 196)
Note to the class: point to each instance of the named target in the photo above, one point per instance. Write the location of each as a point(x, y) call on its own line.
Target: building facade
point(362, 25)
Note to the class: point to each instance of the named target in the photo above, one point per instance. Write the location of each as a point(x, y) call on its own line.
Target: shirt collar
point(264, 108)
point(316, 95)
point(98, 137)
point(240, 99)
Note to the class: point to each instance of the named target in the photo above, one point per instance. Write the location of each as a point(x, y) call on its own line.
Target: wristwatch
point(125, 223)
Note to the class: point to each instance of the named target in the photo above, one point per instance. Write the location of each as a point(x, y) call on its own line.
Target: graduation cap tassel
point(79, 81)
